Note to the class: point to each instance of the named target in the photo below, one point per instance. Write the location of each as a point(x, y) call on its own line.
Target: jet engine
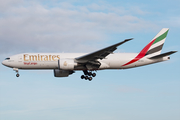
point(66, 64)
point(62, 73)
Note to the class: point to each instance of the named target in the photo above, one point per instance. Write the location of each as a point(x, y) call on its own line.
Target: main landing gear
point(87, 75)
point(17, 71)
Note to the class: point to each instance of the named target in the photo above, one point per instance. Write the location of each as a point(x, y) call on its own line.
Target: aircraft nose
point(4, 62)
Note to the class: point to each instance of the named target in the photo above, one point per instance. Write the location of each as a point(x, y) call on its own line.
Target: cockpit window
point(7, 59)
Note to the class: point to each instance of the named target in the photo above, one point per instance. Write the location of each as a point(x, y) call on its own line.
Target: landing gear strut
point(17, 71)
point(87, 75)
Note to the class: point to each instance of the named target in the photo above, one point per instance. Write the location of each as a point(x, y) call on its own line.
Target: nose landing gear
point(17, 71)
point(17, 75)
point(87, 75)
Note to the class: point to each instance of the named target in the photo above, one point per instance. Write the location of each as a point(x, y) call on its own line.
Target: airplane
point(65, 64)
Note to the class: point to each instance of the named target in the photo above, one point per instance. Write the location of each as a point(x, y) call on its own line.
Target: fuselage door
point(19, 58)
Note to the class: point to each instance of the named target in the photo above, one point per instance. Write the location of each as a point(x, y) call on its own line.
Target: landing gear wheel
point(94, 74)
point(90, 73)
point(90, 78)
point(86, 77)
point(82, 77)
point(17, 75)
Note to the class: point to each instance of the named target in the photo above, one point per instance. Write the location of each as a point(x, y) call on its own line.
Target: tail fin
point(157, 43)
point(153, 48)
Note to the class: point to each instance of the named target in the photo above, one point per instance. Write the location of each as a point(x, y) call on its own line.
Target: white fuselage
point(65, 64)
point(50, 60)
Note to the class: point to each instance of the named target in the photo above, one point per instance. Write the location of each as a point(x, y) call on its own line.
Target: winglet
point(128, 39)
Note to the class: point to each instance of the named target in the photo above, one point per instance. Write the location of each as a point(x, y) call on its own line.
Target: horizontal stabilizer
point(162, 55)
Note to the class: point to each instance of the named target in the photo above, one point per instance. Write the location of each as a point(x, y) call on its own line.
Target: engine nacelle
point(66, 64)
point(62, 73)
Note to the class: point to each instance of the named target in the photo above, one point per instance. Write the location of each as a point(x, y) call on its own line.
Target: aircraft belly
point(143, 62)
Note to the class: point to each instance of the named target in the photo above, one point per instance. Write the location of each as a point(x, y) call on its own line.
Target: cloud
point(36, 27)
point(172, 21)
point(6, 4)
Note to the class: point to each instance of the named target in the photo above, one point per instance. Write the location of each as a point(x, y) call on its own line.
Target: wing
point(100, 54)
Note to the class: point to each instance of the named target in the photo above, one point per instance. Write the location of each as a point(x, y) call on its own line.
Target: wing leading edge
point(100, 54)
